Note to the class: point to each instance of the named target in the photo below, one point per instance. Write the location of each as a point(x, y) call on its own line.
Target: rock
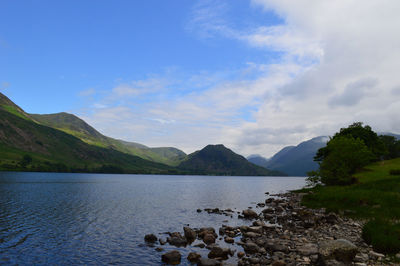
point(240, 254)
point(308, 249)
point(219, 253)
point(198, 210)
point(201, 245)
point(398, 256)
point(172, 257)
point(276, 245)
point(249, 214)
point(254, 260)
point(177, 241)
point(193, 257)
point(150, 238)
point(209, 262)
point(209, 239)
point(341, 250)
point(375, 255)
point(162, 241)
point(229, 240)
point(250, 248)
point(278, 263)
point(362, 257)
point(159, 249)
point(256, 229)
point(331, 218)
point(190, 234)
point(251, 235)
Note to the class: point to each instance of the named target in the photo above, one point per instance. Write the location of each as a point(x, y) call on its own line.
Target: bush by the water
point(384, 236)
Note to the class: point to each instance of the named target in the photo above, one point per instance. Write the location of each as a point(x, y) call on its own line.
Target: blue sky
point(52, 50)
point(256, 75)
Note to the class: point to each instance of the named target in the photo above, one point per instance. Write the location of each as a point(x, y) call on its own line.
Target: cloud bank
point(339, 62)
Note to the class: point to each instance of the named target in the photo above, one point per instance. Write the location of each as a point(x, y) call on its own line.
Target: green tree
point(357, 131)
point(346, 155)
point(392, 147)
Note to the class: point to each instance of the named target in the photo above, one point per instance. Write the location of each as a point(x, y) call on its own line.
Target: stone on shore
point(209, 262)
point(219, 253)
point(151, 238)
point(189, 233)
point(209, 239)
point(249, 214)
point(229, 240)
point(172, 257)
point(340, 250)
point(193, 257)
point(250, 248)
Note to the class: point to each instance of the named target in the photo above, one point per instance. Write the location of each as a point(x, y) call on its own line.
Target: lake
point(92, 219)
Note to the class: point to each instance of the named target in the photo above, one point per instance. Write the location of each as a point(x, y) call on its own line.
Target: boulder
point(249, 214)
point(308, 249)
point(250, 248)
point(340, 250)
point(209, 239)
point(219, 253)
point(193, 257)
point(150, 238)
point(209, 262)
point(172, 257)
point(229, 240)
point(177, 241)
point(190, 234)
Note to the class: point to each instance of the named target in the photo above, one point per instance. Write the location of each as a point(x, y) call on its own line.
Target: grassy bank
point(376, 198)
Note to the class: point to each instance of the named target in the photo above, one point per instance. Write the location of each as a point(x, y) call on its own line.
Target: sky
point(255, 75)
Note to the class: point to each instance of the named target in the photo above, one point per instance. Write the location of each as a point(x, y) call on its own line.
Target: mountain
point(297, 160)
point(219, 160)
point(258, 160)
point(75, 126)
point(28, 145)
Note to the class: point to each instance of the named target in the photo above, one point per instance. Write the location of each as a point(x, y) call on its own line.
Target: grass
point(375, 198)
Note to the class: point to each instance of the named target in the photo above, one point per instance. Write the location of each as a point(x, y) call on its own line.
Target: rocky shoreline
point(283, 232)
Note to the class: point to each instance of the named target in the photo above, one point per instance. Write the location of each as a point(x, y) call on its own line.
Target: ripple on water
point(101, 219)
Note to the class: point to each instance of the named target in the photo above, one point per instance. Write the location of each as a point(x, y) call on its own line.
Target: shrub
point(383, 235)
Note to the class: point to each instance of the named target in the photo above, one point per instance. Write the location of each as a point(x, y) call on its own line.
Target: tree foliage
point(357, 131)
point(347, 151)
point(346, 156)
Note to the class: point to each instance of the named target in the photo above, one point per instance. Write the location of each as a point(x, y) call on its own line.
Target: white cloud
point(339, 65)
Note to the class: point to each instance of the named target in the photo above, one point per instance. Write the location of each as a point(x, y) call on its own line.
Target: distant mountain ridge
point(219, 160)
point(296, 160)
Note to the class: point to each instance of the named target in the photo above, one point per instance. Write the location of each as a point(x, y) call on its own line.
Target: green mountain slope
point(51, 148)
point(218, 160)
point(54, 150)
point(75, 126)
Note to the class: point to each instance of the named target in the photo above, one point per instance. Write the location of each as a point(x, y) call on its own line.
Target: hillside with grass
point(26, 145)
point(77, 127)
point(374, 198)
point(354, 180)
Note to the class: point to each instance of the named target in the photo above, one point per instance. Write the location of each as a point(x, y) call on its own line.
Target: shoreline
point(283, 232)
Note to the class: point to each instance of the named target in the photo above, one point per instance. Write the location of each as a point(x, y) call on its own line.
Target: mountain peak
point(219, 160)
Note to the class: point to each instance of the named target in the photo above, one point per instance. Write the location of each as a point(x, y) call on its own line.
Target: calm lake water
point(92, 219)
